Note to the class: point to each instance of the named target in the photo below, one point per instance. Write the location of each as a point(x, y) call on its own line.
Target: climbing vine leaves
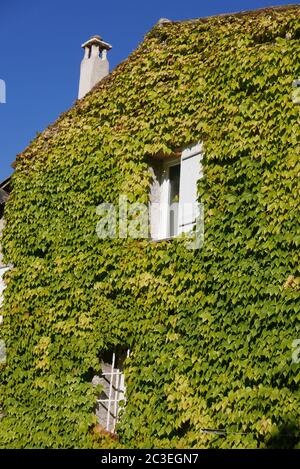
point(210, 331)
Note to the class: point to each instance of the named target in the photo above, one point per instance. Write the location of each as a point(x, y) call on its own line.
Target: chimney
point(94, 65)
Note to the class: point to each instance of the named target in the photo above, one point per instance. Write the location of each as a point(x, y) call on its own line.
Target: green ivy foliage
point(210, 331)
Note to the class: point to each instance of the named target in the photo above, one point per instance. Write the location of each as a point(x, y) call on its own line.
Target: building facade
point(153, 233)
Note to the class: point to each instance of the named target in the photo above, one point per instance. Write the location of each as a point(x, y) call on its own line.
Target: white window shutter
point(190, 172)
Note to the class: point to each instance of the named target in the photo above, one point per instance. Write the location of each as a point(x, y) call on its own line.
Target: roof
point(45, 137)
point(237, 14)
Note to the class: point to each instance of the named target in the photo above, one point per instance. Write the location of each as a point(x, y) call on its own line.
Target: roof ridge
point(254, 12)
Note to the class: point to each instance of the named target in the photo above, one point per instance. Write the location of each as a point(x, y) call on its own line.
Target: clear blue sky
point(40, 52)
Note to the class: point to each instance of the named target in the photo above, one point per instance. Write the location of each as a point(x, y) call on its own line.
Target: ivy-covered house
point(153, 231)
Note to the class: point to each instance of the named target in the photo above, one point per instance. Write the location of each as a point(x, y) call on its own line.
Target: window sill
point(159, 240)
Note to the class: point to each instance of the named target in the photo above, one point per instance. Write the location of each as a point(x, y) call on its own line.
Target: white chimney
point(94, 65)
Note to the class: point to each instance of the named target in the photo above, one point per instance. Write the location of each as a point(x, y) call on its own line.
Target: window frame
point(115, 378)
point(189, 159)
point(165, 192)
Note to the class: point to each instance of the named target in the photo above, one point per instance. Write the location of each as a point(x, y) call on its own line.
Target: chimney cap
point(97, 40)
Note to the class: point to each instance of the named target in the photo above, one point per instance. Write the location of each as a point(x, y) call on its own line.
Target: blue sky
point(40, 52)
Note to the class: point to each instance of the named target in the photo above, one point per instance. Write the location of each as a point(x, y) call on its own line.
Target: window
point(112, 381)
point(174, 180)
point(169, 198)
point(173, 198)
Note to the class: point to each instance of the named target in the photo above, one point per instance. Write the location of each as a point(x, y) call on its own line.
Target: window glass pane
point(174, 178)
